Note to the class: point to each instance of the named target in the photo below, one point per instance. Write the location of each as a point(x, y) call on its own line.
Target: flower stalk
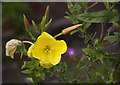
point(58, 35)
point(28, 42)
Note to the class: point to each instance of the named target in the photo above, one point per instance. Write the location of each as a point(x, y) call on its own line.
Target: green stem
point(91, 6)
point(79, 63)
point(43, 24)
point(58, 35)
point(31, 35)
point(101, 31)
point(111, 7)
point(109, 31)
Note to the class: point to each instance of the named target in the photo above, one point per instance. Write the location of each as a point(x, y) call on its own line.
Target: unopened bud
point(27, 27)
point(11, 47)
point(69, 29)
point(47, 11)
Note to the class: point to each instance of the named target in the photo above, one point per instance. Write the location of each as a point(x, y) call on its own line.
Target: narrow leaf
point(35, 27)
point(106, 5)
point(74, 31)
point(112, 38)
point(100, 17)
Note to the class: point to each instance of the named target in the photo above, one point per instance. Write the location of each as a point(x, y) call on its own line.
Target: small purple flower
point(71, 52)
point(70, 81)
point(112, 28)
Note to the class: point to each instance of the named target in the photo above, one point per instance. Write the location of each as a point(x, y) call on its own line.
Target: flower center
point(47, 50)
point(71, 52)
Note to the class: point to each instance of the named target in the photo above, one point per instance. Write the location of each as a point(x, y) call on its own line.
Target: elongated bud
point(27, 27)
point(69, 29)
point(47, 11)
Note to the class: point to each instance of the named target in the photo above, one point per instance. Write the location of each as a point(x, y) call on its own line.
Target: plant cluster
point(96, 64)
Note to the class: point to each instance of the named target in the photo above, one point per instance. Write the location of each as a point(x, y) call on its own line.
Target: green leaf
point(68, 13)
point(28, 64)
point(89, 51)
point(100, 17)
point(80, 65)
point(98, 72)
point(116, 26)
point(30, 79)
point(70, 6)
point(74, 31)
point(112, 38)
point(23, 49)
point(99, 55)
point(92, 5)
point(42, 76)
point(35, 27)
point(27, 71)
point(82, 30)
point(24, 65)
point(106, 5)
point(110, 78)
point(100, 77)
point(83, 5)
point(96, 41)
point(48, 23)
point(88, 64)
point(86, 25)
point(87, 38)
point(69, 17)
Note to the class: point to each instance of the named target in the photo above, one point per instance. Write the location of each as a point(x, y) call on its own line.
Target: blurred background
point(13, 28)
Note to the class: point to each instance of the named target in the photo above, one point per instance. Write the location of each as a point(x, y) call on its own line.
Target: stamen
point(47, 50)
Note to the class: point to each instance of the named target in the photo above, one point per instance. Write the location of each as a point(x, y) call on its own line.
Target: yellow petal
point(29, 53)
point(38, 52)
point(45, 39)
point(45, 64)
point(55, 59)
point(60, 46)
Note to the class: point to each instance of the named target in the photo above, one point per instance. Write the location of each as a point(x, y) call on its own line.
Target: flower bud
point(69, 29)
point(27, 27)
point(11, 47)
point(47, 11)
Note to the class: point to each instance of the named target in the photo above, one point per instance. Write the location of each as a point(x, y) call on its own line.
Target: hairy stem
point(58, 35)
point(28, 42)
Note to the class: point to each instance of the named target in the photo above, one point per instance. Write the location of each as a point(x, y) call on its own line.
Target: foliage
point(96, 65)
point(105, 72)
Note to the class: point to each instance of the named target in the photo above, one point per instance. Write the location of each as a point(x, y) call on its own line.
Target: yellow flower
point(48, 50)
